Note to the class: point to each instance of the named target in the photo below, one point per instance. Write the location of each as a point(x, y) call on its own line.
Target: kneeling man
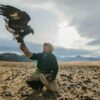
point(47, 68)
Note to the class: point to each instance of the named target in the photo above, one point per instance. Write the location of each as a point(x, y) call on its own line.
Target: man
point(47, 68)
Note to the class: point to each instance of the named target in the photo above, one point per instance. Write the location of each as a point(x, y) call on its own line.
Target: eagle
point(16, 22)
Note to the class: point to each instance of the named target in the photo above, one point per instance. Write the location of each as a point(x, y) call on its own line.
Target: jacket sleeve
point(54, 65)
point(35, 56)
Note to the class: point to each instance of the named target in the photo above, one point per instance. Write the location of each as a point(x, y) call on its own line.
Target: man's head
point(48, 47)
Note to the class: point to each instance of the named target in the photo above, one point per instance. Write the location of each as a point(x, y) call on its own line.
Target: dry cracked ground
point(77, 81)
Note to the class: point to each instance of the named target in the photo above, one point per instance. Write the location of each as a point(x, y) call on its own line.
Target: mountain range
point(22, 58)
point(9, 50)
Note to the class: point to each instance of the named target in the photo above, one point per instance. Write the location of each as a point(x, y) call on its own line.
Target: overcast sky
point(67, 23)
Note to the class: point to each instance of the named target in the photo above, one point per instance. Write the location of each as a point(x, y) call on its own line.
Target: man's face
point(45, 48)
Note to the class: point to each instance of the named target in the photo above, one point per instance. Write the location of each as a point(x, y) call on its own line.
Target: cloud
point(49, 18)
point(43, 21)
point(7, 45)
point(71, 52)
point(96, 42)
point(84, 15)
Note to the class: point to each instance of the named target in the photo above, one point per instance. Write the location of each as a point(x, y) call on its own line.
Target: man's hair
point(51, 48)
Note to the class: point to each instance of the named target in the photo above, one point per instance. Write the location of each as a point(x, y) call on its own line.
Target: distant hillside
point(22, 58)
point(62, 54)
point(78, 58)
point(13, 57)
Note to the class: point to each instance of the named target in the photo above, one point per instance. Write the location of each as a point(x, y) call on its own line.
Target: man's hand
point(49, 77)
point(26, 51)
point(22, 46)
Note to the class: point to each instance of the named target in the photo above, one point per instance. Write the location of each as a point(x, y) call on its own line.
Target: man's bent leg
point(34, 76)
point(35, 83)
point(50, 85)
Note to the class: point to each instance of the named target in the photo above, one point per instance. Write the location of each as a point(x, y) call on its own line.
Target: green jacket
point(46, 62)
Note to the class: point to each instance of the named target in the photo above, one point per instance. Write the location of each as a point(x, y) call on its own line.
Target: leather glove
point(22, 46)
point(49, 78)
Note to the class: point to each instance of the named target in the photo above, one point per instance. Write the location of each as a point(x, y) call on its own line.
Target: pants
point(38, 76)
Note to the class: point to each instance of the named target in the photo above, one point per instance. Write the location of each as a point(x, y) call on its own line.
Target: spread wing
point(12, 13)
point(16, 21)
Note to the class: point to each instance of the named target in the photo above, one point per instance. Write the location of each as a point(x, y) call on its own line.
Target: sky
point(72, 24)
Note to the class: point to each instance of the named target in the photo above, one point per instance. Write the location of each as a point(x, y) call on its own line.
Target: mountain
point(78, 58)
point(11, 47)
point(22, 58)
point(13, 57)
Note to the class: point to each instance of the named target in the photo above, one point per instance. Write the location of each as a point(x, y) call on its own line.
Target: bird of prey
point(16, 21)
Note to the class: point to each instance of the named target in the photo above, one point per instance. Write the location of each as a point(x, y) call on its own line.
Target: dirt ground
point(77, 81)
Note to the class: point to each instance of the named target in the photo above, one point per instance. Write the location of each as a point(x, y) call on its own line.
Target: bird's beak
point(32, 31)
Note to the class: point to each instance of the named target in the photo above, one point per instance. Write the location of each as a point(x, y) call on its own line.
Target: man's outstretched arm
point(26, 51)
